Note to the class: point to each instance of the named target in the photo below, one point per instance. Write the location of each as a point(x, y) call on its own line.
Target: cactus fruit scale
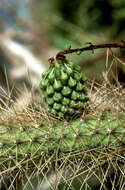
point(63, 88)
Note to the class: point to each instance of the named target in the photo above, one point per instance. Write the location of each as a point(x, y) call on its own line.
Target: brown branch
point(91, 47)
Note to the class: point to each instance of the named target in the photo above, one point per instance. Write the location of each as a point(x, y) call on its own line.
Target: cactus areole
point(63, 88)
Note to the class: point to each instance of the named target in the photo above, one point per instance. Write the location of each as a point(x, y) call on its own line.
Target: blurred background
point(32, 31)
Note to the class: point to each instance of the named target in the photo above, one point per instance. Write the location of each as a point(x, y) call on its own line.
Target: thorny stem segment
point(91, 47)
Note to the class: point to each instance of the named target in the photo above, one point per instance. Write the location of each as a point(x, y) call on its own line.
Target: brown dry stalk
point(91, 47)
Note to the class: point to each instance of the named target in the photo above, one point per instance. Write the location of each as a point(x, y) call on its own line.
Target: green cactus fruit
point(77, 76)
point(51, 76)
point(44, 74)
point(57, 85)
point(73, 104)
point(65, 101)
point(68, 69)
point(65, 87)
point(64, 109)
point(79, 86)
point(44, 83)
point(74, 95)
point(66, 91)
point(50, 90)
point(71, 111)
point(57, 97)
point(63, 77)
point(71, 82)
point(57, 106)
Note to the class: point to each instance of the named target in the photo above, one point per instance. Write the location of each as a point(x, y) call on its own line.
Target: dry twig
point(91, 47)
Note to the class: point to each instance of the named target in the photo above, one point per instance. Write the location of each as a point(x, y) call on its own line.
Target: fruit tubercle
point(64, 89)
